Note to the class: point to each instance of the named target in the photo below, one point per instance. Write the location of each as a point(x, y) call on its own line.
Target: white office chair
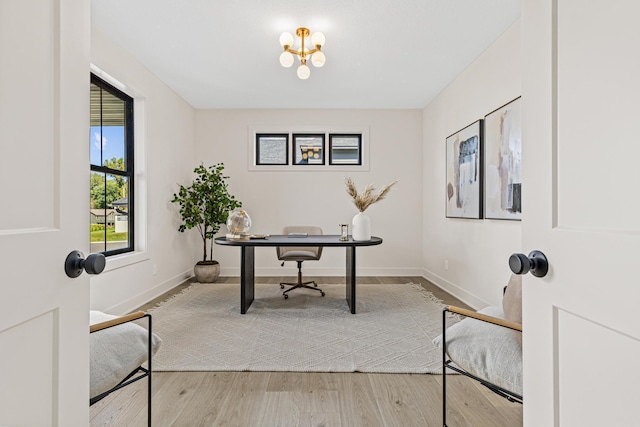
point(300, 254)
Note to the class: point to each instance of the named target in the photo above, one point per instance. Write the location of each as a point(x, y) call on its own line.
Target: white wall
point(274, 199)
point(165, 150)
point(477, 250)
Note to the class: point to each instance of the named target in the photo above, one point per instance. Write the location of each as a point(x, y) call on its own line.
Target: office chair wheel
point(281, 286)
point(286, 296)
point(322, 293)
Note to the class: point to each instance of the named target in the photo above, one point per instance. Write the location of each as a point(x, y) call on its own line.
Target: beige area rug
point(202, 330)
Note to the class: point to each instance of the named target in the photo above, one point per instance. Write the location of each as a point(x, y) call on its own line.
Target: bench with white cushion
point(486, 345)
point(120, 353)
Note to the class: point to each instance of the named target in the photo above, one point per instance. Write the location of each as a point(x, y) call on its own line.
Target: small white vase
point(361, 227)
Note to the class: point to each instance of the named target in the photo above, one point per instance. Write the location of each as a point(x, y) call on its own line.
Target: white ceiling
point(380, 53)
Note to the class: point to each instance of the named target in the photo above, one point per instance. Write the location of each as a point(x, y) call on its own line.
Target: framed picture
point(345, 149)
point(502, 162)
point(308, 149)
point(464, 174)
point(272, 149)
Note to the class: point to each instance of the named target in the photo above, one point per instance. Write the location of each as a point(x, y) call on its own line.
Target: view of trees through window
point(111, 183)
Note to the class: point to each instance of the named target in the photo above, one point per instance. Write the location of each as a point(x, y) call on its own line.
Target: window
point(345, 149)
point(112, 169)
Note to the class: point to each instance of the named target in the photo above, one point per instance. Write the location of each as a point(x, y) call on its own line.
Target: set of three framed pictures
point(484, 167)
point(308, 149)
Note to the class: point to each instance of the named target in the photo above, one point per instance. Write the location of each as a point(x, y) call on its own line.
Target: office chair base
point(300, 285)
point(296, 284)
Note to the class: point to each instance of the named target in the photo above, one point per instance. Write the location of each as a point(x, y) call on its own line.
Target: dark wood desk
point(247, 260)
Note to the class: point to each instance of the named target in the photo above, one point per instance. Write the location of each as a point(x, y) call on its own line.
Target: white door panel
point(598, 110)
point(44, 123)
point(37, 386)
point(580, 109)
point(588, 362)
point(27, 77)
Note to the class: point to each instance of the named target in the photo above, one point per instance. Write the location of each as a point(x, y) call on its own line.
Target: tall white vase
point(361, 227)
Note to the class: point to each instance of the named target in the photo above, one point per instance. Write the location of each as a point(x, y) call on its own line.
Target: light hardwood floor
point(289, 399)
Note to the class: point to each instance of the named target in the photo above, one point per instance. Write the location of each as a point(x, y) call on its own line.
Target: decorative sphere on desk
point(239, 222)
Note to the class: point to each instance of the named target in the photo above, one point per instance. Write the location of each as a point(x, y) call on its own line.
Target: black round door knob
point(75, 263)
point(536, 262)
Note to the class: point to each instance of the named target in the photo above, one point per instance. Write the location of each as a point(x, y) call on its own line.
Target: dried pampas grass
point(367, 197)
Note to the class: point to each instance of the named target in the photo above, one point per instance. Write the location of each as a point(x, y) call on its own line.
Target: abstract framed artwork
point(464, 174)
point(502, 162)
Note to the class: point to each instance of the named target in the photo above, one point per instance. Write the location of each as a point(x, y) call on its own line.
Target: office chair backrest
point(311, 252)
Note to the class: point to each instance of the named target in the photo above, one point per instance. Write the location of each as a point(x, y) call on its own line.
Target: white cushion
point(512, 303)
point(485, 350)
point(115, 352)
point(298, 253)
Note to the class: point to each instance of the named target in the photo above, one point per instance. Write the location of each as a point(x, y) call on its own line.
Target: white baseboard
point(310, 271)
point(464, 296)
point(144, 297)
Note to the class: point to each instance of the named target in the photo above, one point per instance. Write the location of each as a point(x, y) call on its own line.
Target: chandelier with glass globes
point(317, 56)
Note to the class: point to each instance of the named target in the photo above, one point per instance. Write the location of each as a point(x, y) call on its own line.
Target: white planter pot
point(361, 227)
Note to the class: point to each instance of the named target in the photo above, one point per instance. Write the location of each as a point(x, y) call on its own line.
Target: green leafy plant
point(205, 205)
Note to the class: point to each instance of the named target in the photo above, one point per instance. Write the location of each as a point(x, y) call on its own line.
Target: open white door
point(581, 154)
point(44, 177)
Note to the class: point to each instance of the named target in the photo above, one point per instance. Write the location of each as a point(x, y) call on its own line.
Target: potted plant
point(205, 205)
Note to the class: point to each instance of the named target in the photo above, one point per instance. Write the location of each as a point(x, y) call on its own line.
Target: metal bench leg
point(444, 368)
point(149, 376)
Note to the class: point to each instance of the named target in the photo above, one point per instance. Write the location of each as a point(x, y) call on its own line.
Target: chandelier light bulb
point(304, 72)
point(317, 39)
point(318, 59)
point(286, 39)
point(286, 59)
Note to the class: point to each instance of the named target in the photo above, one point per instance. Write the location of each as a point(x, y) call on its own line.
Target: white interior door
point(44, 123)
point(581, 143)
